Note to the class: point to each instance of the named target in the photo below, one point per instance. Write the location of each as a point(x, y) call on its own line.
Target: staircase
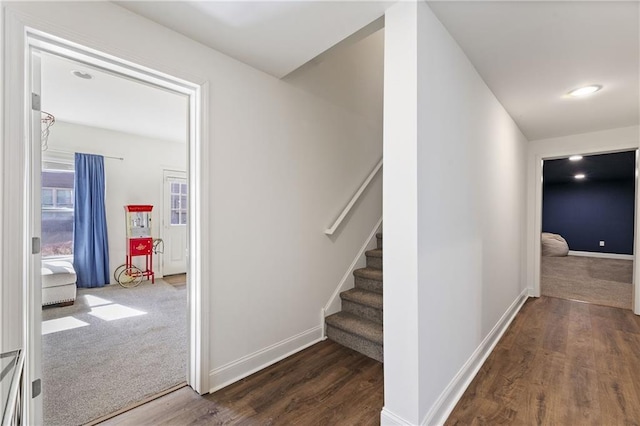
point(359, 325)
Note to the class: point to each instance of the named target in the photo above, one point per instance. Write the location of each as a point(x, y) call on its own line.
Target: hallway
point(560, 362)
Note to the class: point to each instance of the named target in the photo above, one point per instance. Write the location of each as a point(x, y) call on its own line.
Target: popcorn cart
point(139, 244)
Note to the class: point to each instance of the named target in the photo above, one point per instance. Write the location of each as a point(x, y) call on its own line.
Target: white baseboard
point(346, 283)
point(601, 255)
point(249, 364)
point(387, 418)
point(442, 408)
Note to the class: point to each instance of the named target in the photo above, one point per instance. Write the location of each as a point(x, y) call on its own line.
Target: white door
point(174, 259)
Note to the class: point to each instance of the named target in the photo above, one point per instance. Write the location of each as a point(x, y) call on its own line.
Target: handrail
point(13, 400)
point(354, 199)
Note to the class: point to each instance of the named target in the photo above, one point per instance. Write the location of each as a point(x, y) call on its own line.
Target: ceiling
point(111, 102)
point(531, 53)
point(273, 36)
point(602, 167)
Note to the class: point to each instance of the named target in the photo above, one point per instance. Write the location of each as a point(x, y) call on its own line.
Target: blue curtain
point(90, 246)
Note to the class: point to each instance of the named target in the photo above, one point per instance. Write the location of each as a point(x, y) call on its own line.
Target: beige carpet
point(588, 279)
point(132, 343)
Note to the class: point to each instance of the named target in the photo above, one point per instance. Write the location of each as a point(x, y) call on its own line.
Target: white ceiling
point(529, 53)
point(532, 53)
point(111, 102)
point(273, 36)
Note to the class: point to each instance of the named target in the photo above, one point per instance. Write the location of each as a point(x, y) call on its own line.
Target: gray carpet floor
point(588, 279)
point(94, 370)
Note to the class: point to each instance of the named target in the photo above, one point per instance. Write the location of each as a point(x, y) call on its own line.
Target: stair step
point(355, 325)
point(379, 240)
point(369, 273)
point(374, 253)
point(368, 279)
point(357, 343)
point(363, 303)
point(356, 333)
point(374, 258)
point(363, 297)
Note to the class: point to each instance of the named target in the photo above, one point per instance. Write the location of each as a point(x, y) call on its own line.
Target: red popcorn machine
point(139, 243)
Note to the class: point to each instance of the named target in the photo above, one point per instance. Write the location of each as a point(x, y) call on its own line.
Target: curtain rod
point(60, 151)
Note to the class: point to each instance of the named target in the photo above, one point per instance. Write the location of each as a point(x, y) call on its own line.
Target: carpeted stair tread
point(374, 253)
point(363, 297)
point(355, 325)
point(359, 325)
point(369, 273)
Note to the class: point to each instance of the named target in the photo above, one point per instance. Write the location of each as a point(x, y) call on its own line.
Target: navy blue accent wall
point(585, 213)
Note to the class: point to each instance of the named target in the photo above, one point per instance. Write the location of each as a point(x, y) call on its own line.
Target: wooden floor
point(560, 363)
point(325, 384)
point(178, 280)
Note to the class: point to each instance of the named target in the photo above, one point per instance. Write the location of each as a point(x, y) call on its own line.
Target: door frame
point(166, 175)
point(535, 168)
point(21, 33)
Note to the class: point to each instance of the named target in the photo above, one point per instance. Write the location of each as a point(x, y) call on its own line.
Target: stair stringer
point(347, 282)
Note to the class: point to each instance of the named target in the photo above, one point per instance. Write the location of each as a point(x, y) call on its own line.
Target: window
point(47, 197)
point(57, 209)
point(64, 197)
point(57, 197)
point(178, 203)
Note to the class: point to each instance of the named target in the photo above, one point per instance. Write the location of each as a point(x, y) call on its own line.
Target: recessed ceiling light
point(575, 158)
point(579, 176)
point(83, 75)
point(584, 91)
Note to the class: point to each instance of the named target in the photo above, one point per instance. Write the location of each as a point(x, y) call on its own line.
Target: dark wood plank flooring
point(560, 362)
point(326, 384)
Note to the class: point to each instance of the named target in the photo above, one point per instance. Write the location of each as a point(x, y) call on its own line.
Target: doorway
point(174, 223)
point(132, 131)
point(29, 148)
point(544, 152)
point(587, 240)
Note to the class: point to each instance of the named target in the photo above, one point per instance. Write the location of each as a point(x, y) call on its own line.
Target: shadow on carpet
point(134, 345)
point(588, 279)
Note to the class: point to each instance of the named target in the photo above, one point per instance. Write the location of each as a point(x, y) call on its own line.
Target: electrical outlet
point(601, 243)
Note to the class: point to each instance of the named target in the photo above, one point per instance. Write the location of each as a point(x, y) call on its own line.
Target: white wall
point(350, 75)
point(611, 140)
point(401, 356)
point(282, 164)
point(465, 194)
point(138, 179)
